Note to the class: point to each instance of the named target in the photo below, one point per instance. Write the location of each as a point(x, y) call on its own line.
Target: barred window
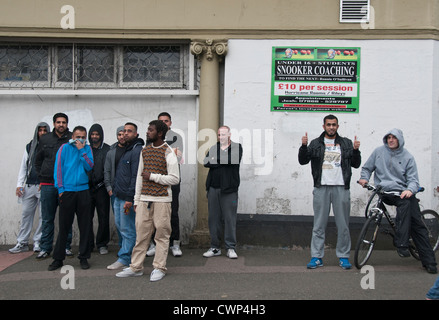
point(153, 64)
point(94, 66)
point(24, 63)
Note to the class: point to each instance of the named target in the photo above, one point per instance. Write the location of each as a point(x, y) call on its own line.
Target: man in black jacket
point(100, 200)
point(44, 165)
point(124, 190)
point(222, 185)
point(331, 159)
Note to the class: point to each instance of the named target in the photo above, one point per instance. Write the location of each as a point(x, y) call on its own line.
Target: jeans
point(116, 220)
point(127, 229)
point(49, 203)
point(433, 293)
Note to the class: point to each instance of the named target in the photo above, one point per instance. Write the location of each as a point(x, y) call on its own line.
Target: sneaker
point(56, 264)
point(37, 247)
point(175, 249)
point(116, 265)
point(344, 263)
point(212, 252)
point(103, 250)
point(403, 252)
point(19, 248)
point(156, 275)
point(42, 255)
point(128, 272)
point(151, 250)
point(232, 254)
point(315, 263)
point(69, 253)
point(84, 264)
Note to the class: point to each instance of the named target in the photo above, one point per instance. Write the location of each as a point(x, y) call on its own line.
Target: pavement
point(259, 274)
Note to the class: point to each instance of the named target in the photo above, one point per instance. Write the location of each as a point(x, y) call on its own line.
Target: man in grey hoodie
point(395, 169)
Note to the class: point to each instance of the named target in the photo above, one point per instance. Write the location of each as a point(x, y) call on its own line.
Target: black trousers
point(175, 220)
point(100, 200)
point(69, 204)
point(409, 224)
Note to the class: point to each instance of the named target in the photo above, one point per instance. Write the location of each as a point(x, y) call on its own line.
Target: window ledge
point(100, 92)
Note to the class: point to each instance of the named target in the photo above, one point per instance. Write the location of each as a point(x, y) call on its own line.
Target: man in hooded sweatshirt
point(28, 192)
point(100, 200)
point(395, 170)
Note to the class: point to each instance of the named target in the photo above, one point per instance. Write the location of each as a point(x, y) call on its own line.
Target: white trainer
point(212, 252)
point(175, 249)
point(156, 275)
point(116, 265)
point(151, 250)
point(232, 254)
point(128, 272)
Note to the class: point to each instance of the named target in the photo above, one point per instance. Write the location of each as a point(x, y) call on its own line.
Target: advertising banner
point(315, 79)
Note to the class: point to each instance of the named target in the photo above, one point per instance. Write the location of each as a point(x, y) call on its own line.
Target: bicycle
point(375, 210)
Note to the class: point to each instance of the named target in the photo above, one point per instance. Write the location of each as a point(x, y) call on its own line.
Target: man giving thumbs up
point(331, 159)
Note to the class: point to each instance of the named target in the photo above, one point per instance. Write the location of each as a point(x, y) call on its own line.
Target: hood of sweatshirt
point(398, 134)
point(96, 127)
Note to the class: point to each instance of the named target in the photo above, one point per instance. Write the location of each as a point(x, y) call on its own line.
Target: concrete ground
point(258, 274)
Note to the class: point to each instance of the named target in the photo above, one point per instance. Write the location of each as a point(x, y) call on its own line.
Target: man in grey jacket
point(111, 161)
point(395, 169)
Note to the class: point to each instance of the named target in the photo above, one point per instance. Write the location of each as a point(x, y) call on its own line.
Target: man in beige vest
point(158, 171)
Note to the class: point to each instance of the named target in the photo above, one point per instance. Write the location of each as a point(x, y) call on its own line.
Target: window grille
point(77, 66)
point(23, 65)
point(354, 11)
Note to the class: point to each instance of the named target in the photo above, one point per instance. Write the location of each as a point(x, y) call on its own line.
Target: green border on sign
point(315, 79)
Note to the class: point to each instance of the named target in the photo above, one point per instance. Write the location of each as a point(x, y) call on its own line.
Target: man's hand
point(19, 191)
point(127, 206)
point(146, 175)
point(362, 182)
point(79, 145)
point(305, 139)
point(356, 143)
point(406, 194)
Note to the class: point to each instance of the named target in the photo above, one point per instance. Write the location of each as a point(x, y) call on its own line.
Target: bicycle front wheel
point(372, 202)
point(366, 240)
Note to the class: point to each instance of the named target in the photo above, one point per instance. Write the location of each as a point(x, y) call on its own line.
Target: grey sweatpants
point(340, 198)
point(222, 209)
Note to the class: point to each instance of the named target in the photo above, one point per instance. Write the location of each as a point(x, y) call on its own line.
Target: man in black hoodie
point(100, 200)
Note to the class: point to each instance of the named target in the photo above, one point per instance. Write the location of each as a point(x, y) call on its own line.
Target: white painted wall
point(398, 88)
point(21, 113)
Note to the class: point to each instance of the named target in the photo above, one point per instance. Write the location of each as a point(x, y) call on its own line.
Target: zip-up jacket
point(126, 172)
point(315, 153)
point(71, 167)
point(46, 152)
point(226, 164)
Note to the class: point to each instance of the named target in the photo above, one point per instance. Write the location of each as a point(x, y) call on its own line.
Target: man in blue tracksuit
point(73, 161)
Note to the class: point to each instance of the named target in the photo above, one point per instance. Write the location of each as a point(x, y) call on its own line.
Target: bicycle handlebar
point(379, 189)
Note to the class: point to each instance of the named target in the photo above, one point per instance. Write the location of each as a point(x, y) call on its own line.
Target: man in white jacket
point(28, 193)
point(158, 171)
